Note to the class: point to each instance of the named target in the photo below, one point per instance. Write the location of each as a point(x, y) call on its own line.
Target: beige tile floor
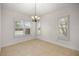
point(37, 48)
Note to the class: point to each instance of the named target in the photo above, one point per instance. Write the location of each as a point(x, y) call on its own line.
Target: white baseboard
point(52, 42)
point(0, 50)
point(12, 43)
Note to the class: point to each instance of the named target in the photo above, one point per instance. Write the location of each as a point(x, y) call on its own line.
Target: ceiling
point(29, 8)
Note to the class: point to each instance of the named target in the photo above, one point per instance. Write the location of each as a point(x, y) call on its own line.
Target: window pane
point(27, 31)
point(38, 28)
point(19, 25)
point(19, 32)
point(27, 27)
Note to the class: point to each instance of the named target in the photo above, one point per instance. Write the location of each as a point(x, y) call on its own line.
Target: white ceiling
point(29, 8)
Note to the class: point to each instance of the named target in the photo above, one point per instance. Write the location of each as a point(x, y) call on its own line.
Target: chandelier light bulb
point(32, 17)
point(38, 17)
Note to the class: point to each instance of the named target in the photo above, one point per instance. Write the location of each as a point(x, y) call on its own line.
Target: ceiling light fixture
point(35, 18)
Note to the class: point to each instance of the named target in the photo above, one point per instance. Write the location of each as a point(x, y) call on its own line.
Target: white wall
point(0, 27)
point(49, 22)
point(48, 27)
point(8, 19)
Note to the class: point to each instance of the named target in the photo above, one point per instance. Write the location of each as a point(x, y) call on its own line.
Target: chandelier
point(35, 18)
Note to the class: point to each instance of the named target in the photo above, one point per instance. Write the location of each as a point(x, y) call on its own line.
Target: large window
point(22, 28)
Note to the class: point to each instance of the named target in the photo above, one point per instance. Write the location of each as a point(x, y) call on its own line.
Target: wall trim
point(12, 43)
point(52, 42)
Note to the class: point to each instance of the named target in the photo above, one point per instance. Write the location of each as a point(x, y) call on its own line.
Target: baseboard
point(52, 42)
point(0, 51)
point(12, 43)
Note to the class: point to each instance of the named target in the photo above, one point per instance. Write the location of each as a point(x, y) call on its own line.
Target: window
point(27, 28)
point(22, 28)
point(38, 28)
